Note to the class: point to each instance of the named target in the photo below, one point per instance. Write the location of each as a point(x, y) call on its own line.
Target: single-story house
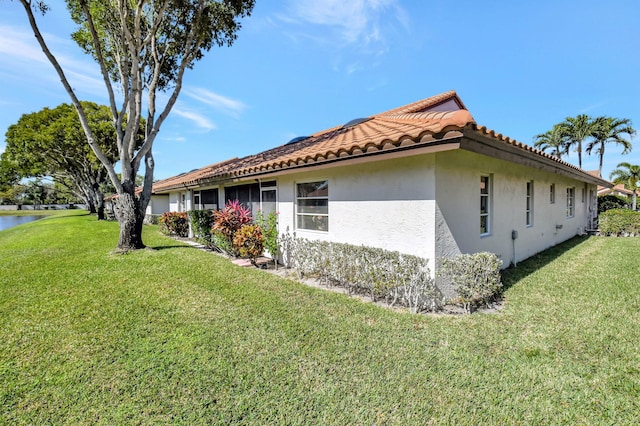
point(423, 179)
point(158, 203)
point(618, 189)
point(611, 189)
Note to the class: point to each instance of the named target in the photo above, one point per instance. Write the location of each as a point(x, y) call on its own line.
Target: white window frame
point(298, 214)
point(197, 205)
point(488, 203)
point(552, 193)
point(271, 185)
point(529, 204)
point(571, 202)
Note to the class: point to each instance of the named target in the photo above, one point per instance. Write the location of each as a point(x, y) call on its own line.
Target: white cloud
point(221, 103)
point(198, 119)
point(19, 45)
point(361, 22)
point(23, 58)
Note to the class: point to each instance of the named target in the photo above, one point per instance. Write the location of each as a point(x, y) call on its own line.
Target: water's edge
point(7, 222)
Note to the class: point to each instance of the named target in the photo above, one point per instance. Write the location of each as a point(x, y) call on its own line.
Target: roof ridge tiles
point(422, 104)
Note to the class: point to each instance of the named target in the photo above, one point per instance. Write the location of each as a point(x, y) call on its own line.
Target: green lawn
point(36, 212)
point(178, 335)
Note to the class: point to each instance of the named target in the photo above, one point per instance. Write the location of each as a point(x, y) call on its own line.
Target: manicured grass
point(39, 212)
point(177, 335)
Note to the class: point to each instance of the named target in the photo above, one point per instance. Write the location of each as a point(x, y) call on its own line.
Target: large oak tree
point(144, 47)
point(51, 142)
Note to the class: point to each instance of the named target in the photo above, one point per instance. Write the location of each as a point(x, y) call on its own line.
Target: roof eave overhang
point(450, 142)
point(493, 146)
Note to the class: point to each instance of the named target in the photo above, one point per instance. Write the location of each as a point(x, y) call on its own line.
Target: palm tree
point(629, 175)
point(554, 141)
point(610, 129)
point(577, 130)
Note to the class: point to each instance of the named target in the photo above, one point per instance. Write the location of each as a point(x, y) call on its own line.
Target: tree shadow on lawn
point(168, 247)
point(512, 274)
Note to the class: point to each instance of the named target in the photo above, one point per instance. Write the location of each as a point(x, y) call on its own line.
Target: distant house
point(422, 179)
point(618, 189)
point(158, 203)
point(611, 189)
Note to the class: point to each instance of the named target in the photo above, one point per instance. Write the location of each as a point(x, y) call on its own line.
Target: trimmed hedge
point(620, 223)
point(201, 223)
point(610, 202)
point(476, 277)
point(396, 278)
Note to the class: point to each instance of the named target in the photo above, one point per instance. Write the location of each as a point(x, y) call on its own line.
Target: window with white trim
point(268, 197)
point(197, 201)
point(485, 205)
point(529, 204)
point(552, 193)
point(571, 200)
point(312, 206)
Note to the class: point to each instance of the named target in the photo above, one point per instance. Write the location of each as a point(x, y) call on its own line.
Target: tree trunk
point(131, 222)
point(98, 196)
point(101, 215)
point(91, 206)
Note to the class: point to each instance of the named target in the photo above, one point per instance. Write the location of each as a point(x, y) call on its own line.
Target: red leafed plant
point(230, 219)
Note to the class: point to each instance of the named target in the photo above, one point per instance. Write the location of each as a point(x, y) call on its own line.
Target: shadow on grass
point(168, 247)
point(512, 274)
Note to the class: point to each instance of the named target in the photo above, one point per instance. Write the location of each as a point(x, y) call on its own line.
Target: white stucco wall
point(158, 204)
point(428, 205)
point(458, 194)
point(387, 204)
point(175, 201)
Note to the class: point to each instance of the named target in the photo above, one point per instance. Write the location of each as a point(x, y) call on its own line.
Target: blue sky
point(301, 66)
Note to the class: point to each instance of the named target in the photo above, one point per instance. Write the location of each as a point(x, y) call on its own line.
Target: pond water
point(9, 221)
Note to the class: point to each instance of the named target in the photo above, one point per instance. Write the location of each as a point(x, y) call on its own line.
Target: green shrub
point(201, 224)
point(152, 219)
point(221, 243)
point(610, 202)
point(249, 242)
point(476, 277)
point(174, 223)
point(269, 226)
point(620, 222)
point(396, 278)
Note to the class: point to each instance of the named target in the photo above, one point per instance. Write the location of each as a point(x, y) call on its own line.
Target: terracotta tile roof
point(527, 148)
point(191, 176)
point(619, 189)
point(425, 104)
point(418, 124)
